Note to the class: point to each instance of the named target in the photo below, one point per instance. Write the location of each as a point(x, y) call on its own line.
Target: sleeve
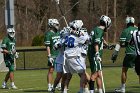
point(122, 39)
point(97, 37)
point(123, 36)
point(3, 45)
point(47, 39)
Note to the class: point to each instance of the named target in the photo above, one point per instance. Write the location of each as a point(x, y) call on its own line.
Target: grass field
point(34, 81)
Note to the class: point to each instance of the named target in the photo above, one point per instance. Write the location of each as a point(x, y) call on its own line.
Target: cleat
point(52, 91)
point(4, 87)
point(58, 88)
point(120, 90)
point(49, 89)
point(14, 87)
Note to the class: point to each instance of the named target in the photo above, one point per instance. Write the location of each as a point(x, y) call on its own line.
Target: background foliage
point(31, 16)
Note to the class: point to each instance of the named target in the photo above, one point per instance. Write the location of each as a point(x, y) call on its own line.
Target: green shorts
point(10, 65)
point(94, 65)
point(129, 60)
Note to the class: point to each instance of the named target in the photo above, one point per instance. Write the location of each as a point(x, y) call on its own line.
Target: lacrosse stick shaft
point(102, 79)
point(63, 15)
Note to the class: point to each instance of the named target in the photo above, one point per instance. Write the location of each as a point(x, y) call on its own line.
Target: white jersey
point(136, 40)
point(84, 47)
point(72, 43)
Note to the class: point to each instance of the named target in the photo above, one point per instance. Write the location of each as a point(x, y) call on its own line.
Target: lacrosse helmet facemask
point(11, 32)
point(105, 20)
point(53, 23)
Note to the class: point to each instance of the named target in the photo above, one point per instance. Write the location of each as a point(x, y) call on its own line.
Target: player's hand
point(12, 52)
point(17, 55)
point(97, 57)
point(114, 56)
point(110, 47)
point(51, 60)
point(57, 45)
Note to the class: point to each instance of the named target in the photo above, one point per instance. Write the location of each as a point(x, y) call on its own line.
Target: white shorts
point(73, 65)
point(83, 61)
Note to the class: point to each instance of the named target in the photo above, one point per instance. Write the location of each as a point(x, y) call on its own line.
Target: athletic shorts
point(94, 65)
point(58, 67)
point(73, 65)
point(83, 61)
point(129, 60)
point(137, 65)
point(10, 65)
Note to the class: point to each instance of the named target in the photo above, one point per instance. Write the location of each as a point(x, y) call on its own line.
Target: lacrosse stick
point(102, 79)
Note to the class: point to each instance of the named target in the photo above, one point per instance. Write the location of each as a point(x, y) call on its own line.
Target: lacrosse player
point(51, 37)
point(60, 57)
point(136, 41)
point(9, 52)
point(73, 63)
point(130, 53)
point(95, 53)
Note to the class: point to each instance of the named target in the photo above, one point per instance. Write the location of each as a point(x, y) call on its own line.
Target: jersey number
point(69, 41)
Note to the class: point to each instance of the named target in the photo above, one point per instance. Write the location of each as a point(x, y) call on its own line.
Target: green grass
point(34, 81)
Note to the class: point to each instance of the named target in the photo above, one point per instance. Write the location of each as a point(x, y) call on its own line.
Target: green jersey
point(50, 39)
point(96, 37)
point(9, 44)
point(126, 37)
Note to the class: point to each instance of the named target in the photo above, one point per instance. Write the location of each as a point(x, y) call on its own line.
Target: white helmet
point(53, 23)
point(106, 20)
point(11, 32)
point(130, 20)
point(76, 24)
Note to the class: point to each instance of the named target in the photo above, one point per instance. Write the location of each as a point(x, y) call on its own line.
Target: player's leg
point(50, 77)
point(128, 62)
point(59, 70)
point(4, 84)
point(95, 70)
point(137, 67)
point(83, 82)
point(11, 76)
point(65, 82)
point(124, 76)
point(100, 82)
point(87, 76)
point(66, 76)
point(92, 81)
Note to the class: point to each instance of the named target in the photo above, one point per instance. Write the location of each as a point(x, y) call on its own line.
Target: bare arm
point(96, 48)
point(5, 51)
point(48, 51)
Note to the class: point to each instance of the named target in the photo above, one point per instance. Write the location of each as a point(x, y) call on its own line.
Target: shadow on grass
point(35, 91)
point(121, 92)
point(133, 87)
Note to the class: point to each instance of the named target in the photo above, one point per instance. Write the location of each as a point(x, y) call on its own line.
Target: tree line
point(31, 16)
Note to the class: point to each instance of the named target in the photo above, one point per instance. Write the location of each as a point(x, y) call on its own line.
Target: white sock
point(59, 84)
point(123, 86)
point(91, 91)
point(4, 83)
point(12, 84)
point(100, 90)
point(86, 89)
point(65, 91)
point(49, 85)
